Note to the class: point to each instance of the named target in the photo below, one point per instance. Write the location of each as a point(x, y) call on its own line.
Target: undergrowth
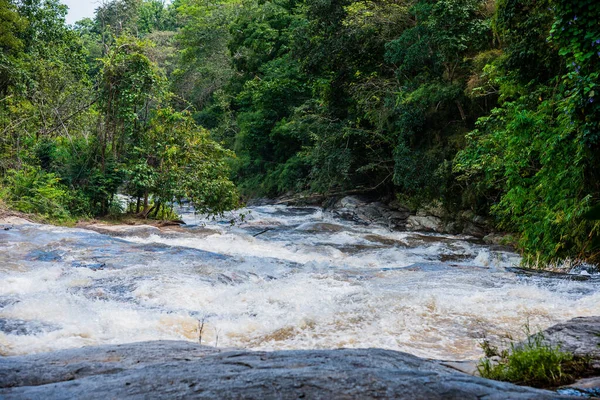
point(533, 363)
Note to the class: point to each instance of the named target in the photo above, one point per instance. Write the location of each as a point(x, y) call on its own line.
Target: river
point(279, 278)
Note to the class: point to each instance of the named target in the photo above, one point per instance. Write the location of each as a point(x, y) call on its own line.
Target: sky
point(79, 9)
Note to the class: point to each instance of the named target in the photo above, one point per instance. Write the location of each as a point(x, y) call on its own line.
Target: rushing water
point(283, 278)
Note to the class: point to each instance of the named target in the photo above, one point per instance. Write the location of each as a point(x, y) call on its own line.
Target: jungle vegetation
point(485, 105)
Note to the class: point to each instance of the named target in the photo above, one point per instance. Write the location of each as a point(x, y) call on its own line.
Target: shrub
point(32, 190)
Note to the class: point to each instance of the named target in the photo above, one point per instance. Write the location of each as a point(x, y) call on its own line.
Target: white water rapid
point(305, 281)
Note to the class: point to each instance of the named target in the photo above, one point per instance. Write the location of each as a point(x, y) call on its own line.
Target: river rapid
point(280, 278)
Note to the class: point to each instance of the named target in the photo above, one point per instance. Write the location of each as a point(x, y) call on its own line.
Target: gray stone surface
point(177, 370)
point(430, 218)
point(425, 223)
point(580, 336)
point(363, 211)
point(495, 238)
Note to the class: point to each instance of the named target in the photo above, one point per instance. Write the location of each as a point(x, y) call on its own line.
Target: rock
point(351, 202)
point(397, 220)
point(474, 225)
point(479, 220)
point(363, 211)
point(453, 228)
point(541, 273)
point(430, 218)
point(435, 208)
point(398, 206)
point(494, 238)
point(384, 240)
point(123, 230)
point(13, 220)
point(348, 215)
point(260, 201)
point(589, 386)
point(424, 223)
point(319, 227)
point(473, 229)
point(156, 370)
point(580, 336)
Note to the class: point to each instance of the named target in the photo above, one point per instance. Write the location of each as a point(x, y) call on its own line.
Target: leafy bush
point(32, 190)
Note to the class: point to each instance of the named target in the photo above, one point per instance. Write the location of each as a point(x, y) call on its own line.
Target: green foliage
point(11, 24)
point(32, 190)
point(490, 106)
point(534, 158)
point(205, 66)
point(178, 160)
point(523, 28)
point(76, 112)
point(533, 363)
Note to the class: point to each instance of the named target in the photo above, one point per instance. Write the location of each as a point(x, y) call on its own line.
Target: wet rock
point(588, 387)
point(317, 227)
point(435, 209)
point(384, 240)
point(44, 255)
point(430, 218)
point(494, 238)
point(540, 273)
point(351, 202)
point(124, 230)
point(21, 327)
point(453, 228)
point(425, 223)
point(261, 201)
point(363, 211)
point(474, 225)
point(94, 266)
point(467, 367)
point(585, 269)
point(473, 229)
point(153, 370)
point(347, 215)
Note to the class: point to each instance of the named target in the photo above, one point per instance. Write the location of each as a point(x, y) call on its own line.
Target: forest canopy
point(488, 106)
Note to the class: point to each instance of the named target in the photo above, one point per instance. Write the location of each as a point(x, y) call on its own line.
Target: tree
point(177, 160)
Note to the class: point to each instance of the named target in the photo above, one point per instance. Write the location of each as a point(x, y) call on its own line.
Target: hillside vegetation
point(488, 106)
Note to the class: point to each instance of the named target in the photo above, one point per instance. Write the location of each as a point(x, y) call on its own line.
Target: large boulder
point(164, 369)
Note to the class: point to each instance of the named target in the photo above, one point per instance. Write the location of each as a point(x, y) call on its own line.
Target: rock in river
point(171, 369)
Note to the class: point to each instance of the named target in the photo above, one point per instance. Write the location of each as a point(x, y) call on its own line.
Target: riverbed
point(270, 278)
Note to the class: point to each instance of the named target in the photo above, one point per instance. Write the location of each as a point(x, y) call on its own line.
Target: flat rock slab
point(165, 369)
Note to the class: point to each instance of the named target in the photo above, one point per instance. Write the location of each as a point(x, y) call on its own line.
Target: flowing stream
point(281, 278)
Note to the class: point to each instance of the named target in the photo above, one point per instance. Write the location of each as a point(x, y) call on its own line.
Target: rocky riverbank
point(174, 369)
point(398, 217)
point(171, 369)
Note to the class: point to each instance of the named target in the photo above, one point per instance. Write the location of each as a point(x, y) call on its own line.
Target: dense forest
point(488, 106)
